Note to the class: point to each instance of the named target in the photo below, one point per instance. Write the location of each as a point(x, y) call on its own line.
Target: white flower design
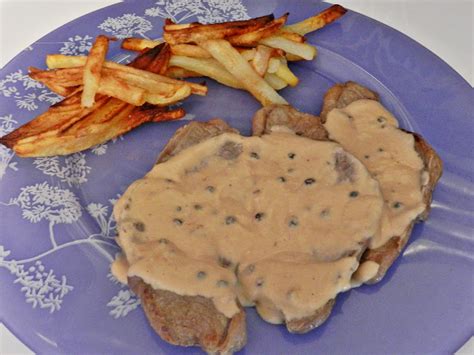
point(7, 124)
point(25, 91)
point(40, 286)
point(77, 45)
point(206, 11)
point(99, 149)
point(42, 201)
point(123, 303)
point(71, 169)
point(126, 25)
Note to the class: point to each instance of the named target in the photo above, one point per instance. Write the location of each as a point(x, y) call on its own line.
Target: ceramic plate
point(57, 233)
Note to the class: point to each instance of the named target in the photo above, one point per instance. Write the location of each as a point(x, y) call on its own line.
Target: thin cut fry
point(180, 73)
point(261, 59)
point(302, 50)
point(207, 67)
point(230, 58)
point(190, 50)
point(161, 61)
point(144, 82)
point(198, 32)
point(138, 44)
point(251, 39)
point(114, 87)
point(286, 74)
point(292, 36)
point(248, 53)
point(273, 65)
point(318, 21)
point(57, 61)
point(161, 100)
point(275, 82)
point(92, 69)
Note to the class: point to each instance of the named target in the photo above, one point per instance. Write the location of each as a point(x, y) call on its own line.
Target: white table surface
point(445, 27)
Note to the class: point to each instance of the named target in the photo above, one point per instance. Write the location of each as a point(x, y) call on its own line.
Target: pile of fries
point(252, 55)
point(104, 99)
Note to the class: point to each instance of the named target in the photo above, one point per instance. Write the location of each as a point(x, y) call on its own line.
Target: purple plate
point(56, 239)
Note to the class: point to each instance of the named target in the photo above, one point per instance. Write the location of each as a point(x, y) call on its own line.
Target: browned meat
point(302, 124)
point(190, 320)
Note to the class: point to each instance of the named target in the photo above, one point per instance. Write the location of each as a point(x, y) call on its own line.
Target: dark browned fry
point(160, 64)
point(251, 39)
point(199, 32)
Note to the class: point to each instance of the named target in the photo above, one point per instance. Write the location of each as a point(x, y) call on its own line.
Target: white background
point(444, 27)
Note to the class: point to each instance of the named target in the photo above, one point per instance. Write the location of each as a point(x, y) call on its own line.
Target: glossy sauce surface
point(369, 132)
point(276, 221)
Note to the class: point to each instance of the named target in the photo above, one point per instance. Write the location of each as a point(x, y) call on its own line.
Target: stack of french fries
point(252, 55)
point(104, 99)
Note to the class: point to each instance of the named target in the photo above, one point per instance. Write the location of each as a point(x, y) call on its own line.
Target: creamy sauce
point(275, 221)
point(369, 132)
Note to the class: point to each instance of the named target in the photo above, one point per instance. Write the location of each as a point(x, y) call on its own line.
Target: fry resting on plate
point(104, 99)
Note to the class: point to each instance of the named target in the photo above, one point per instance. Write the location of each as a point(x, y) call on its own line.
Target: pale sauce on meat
point(277, 221)
point(369, 132)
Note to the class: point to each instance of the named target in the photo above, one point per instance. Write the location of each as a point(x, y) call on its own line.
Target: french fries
point(265, 42)
point(180, 73)
point(207, 67)
point(318, 21)
point(132, 73)
point(195, 33)
point(261, 59)
point(235, 64)
point(92, 70)
point(118, 106)
point(303, 50)
point(105, 99)
point(160, 100)
point(190, 50)
point(250, 39)
point(275, 82)
point(138, 44)
point(283, 72)
point(114, 87)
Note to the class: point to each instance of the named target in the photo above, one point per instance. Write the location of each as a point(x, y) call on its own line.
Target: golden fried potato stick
point(197, 89)
point(162, 100)
point(318, 21)
point(275, 82)
point(251, 39)
point(262, 58)
point(78, 138)
point(70, 78)
point(198, 32)
point(189, 50)
point(302, 50)
point(139, 44)
point(181, 73)
point(207, 67)
point(92, 70)
point(119, 89)
point(284, 73)
point(240, 68)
